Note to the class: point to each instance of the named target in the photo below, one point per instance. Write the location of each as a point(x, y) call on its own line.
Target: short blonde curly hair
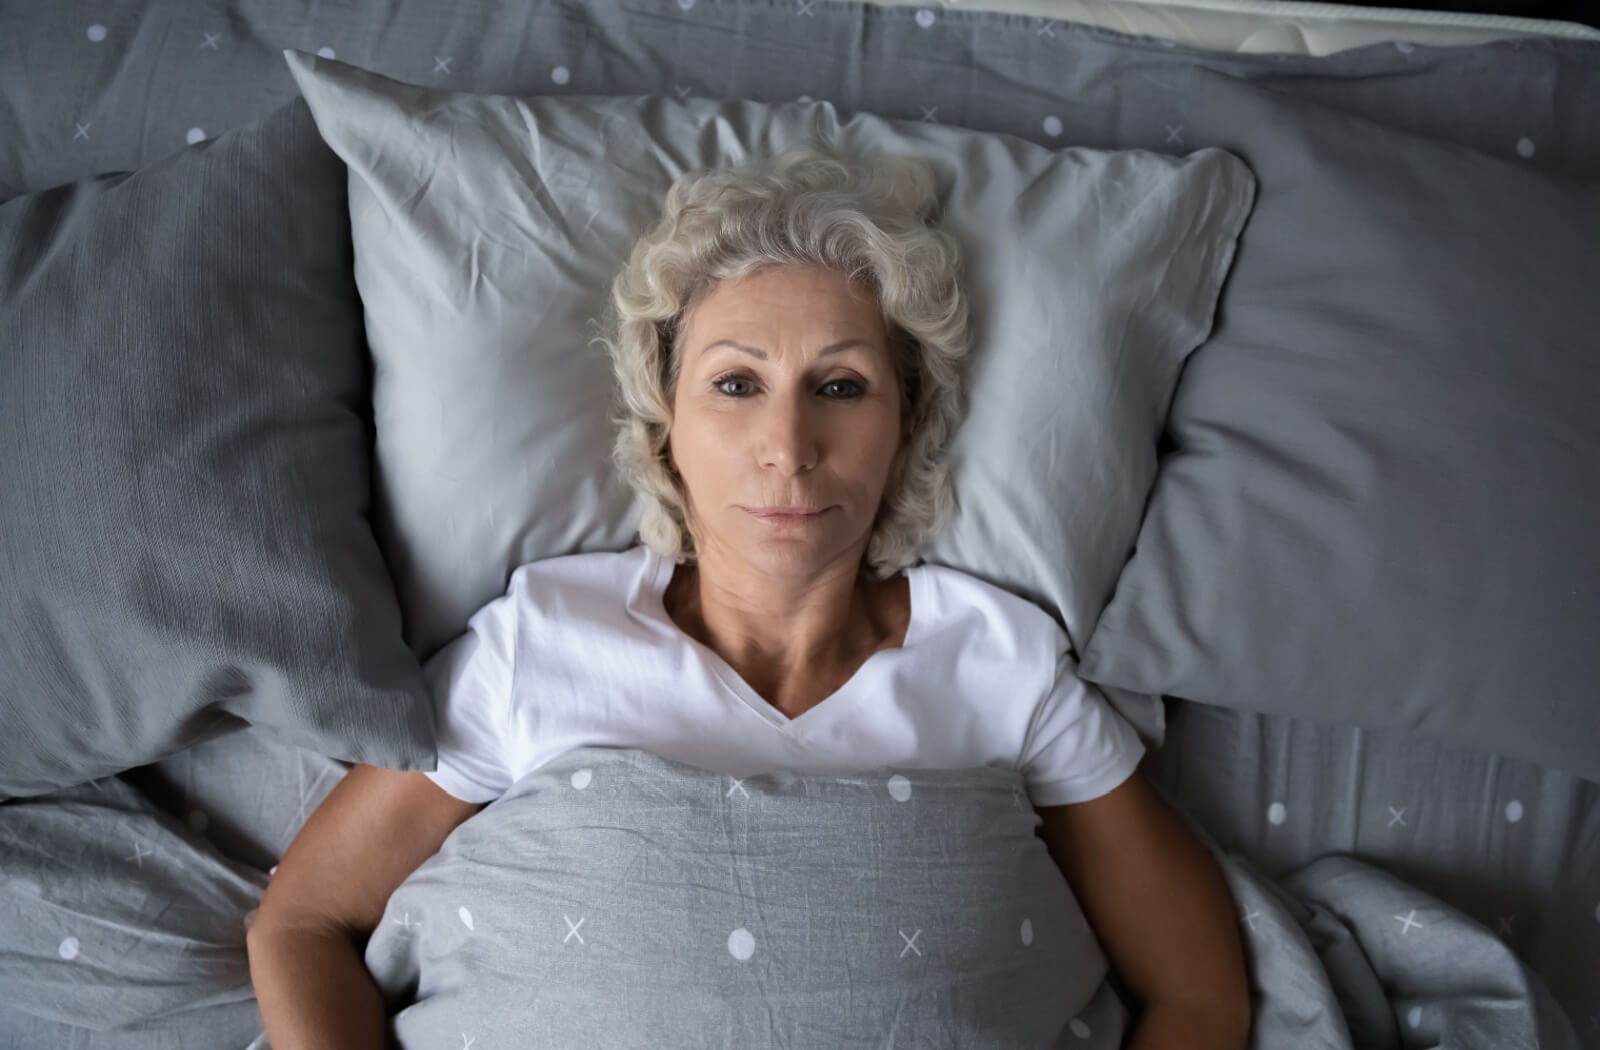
point(870, 218)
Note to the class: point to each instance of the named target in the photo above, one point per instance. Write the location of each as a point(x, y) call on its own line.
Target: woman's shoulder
point(964, 599)
point(594, 581)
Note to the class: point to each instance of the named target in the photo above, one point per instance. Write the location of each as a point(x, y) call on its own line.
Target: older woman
point(787, 345)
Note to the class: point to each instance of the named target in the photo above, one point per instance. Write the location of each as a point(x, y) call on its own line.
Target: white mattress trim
point(1291, 26)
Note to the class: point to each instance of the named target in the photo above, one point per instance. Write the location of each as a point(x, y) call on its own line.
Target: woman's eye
point(836, 390)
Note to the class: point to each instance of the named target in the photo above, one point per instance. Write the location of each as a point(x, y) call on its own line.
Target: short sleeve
point(1077, 747)
point(471, 680)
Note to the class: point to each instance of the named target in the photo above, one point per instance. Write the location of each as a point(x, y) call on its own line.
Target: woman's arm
point(1158, 903)
point(328, 894)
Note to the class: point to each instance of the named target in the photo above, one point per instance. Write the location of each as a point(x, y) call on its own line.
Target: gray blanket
point(617, 899)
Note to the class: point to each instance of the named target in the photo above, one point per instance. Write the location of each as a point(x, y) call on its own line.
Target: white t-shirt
point(581, 652)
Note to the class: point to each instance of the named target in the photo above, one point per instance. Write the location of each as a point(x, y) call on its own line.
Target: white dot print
point(198, 819)
point(1277, 813)
point(97, 32)
point(804, 98)
point(68, 949)
point(1513, 811)
point(465, 916)
point(686, 4)
point(195, 135)
point(326, 52)
point(1414, 1017)
point(560, 74)
point(1525, 147)
point(1027, 932)
point(1078, 1028)
point(249, 918)
point(582, 778)
point(741, 945)
point(1404, 47)
point(899, 788)
point(924, 18)
point(1052, 125)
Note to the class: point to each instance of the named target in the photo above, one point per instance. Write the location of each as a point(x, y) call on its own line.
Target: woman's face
point(787, 398)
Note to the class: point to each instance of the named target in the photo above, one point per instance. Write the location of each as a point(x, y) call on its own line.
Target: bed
point(1416, 854)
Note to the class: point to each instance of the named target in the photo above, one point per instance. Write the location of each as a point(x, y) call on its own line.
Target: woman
point(787, 346)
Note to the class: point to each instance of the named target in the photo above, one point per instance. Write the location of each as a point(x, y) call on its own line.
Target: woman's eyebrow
point(831, 348)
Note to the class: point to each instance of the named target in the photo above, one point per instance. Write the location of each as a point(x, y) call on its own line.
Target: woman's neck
point(789, 637)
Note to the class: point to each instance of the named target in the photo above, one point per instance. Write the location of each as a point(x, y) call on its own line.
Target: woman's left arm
point(1158, 902)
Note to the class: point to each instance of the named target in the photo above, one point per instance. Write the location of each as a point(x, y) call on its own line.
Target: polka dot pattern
point(1052, 125)
point(560, 75)
point(1277, 813)
point(1079, 1028)
point(97, 33)
point(68, 949)
point(1513, 812)
point(582, 778)
point(741, 944)
point(195, 135)
point(925, 18)
point(899, 788)
point(1524, 147)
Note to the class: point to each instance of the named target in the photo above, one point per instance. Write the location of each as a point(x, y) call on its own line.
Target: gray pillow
point(183, 533)
point(487, 232)
point(614, 898)
point(1383, 504)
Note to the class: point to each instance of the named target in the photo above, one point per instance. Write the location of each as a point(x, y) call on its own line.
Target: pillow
point(616, 898)
point(488, 230)
point(183, 538)
point(1382, 507)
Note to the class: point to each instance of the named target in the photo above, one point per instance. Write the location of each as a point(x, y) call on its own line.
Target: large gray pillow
point(185, 480)
point(487, 232)
point(1384, 502)
point(615, 898)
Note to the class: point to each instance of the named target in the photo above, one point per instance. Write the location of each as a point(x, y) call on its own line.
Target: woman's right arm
point(307, 941)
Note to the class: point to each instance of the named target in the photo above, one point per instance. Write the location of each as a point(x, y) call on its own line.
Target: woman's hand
point(1158, 902)
point(329, 893)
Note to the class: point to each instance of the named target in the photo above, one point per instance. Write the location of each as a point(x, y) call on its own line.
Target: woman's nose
point(790, 441)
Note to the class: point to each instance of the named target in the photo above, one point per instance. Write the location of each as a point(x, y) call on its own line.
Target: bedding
point(183, 535)
point(1089, 276)
point(619, 899)
point(1363, 518)
point(102, 90)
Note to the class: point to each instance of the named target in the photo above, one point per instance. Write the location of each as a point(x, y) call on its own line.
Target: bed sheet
point(86, 88)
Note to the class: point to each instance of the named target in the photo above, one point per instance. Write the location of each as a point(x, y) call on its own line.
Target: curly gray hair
point(870, 218)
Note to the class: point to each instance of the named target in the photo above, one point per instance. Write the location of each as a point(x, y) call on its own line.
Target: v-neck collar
point(867, 678)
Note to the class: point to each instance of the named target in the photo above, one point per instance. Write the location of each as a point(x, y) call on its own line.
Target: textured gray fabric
point(186, 469)
point(1513, 846)
point(1383, 501)
point(488, 230)
point(618, 899)
point(75, 105)
point(119, 928)
point(1344, 956)
point(248, 792)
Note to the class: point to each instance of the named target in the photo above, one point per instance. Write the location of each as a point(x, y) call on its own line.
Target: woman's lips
point(783, 517)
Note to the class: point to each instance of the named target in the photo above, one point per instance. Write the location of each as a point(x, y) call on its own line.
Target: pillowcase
point(616, 898)
point(488, 230)
point(183, 538)
point(1382, 507)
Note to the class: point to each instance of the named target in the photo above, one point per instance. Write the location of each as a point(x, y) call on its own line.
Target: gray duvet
point(615, 899)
